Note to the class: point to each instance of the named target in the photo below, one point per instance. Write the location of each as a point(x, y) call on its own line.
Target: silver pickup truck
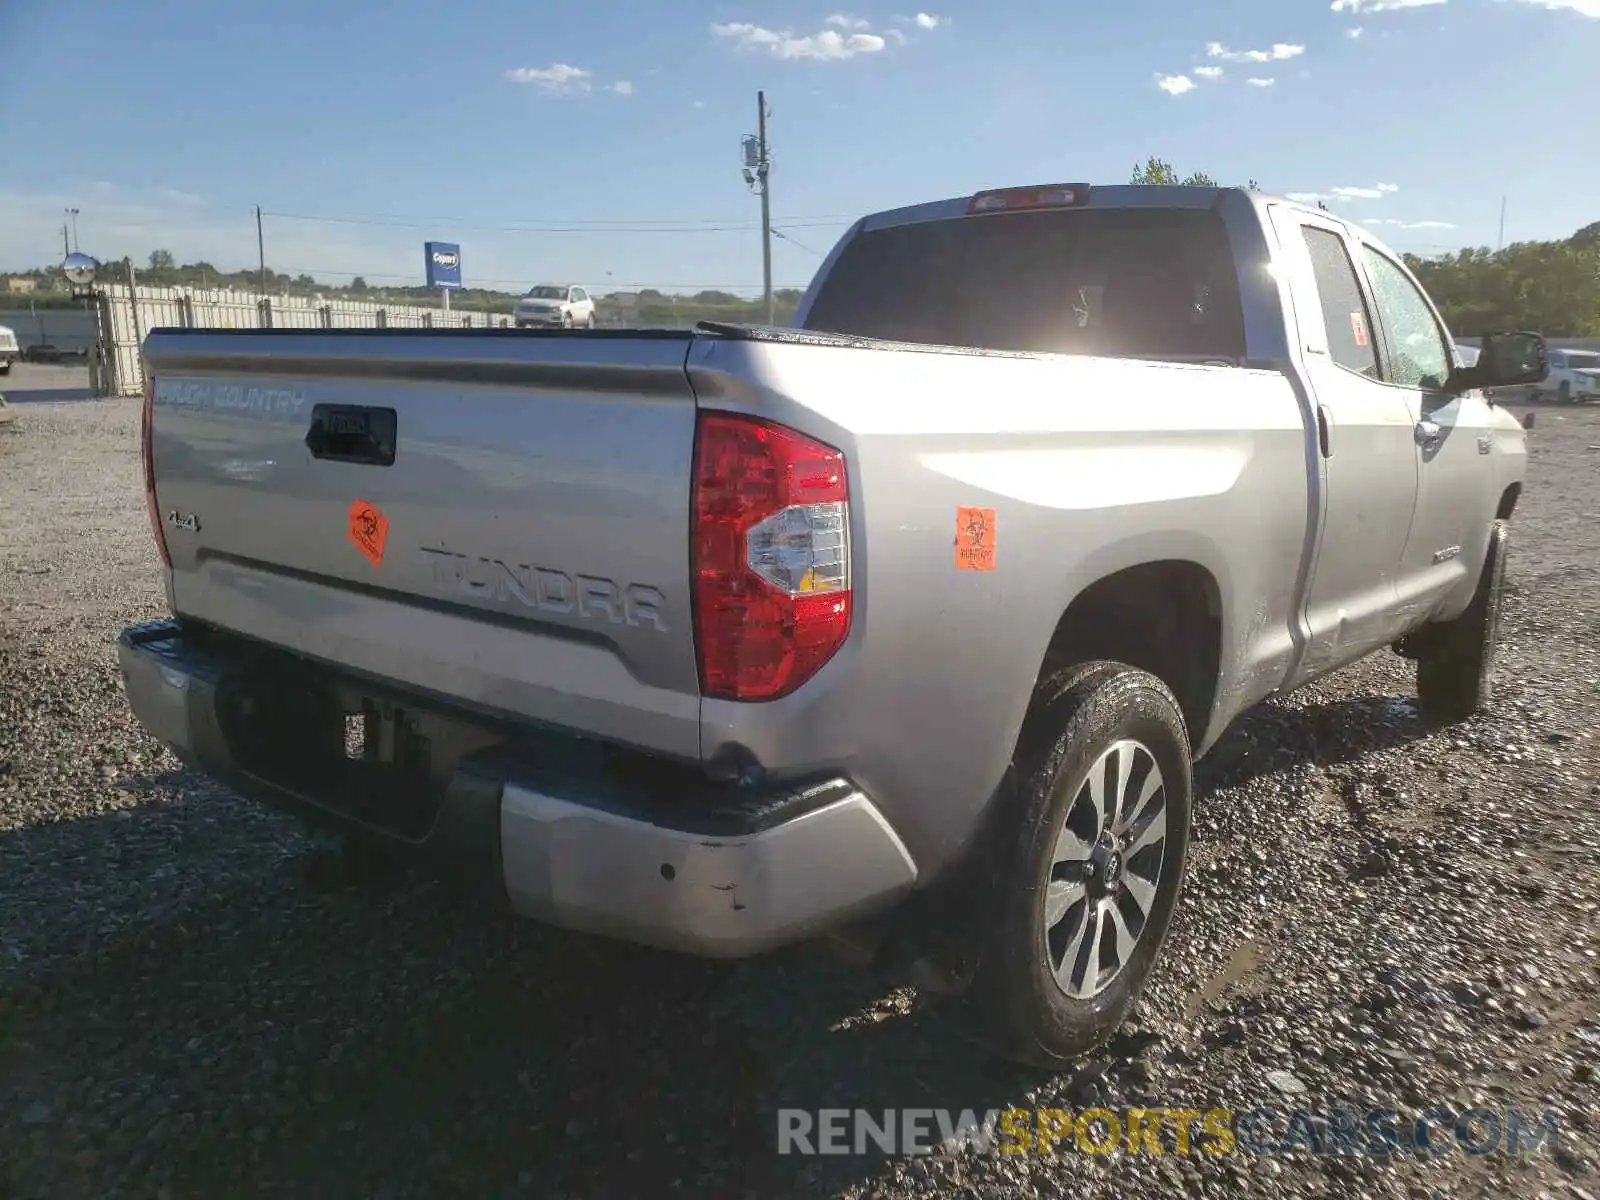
point(904, 624)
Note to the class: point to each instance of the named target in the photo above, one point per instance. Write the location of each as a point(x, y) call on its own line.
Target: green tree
point(1159, 172)
point(162, 261)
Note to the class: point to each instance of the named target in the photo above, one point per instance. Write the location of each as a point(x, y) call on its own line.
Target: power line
point(522, 282)
point(552, 226)
point(796, 242)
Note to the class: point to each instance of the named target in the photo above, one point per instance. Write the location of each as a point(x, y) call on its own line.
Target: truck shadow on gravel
point(1278, 735)
point(224, 1012)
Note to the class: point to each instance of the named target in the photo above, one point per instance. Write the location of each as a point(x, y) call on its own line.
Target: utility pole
point(1502, 244)
point(66, 246)
point(72, 215)
point(757, 173)
point(763, 173)
point(261, 251)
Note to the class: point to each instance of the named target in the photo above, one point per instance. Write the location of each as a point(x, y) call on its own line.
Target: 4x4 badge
point(188, 522)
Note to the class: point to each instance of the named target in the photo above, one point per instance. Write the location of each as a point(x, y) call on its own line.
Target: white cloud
point(1355, 32)
point(1584, 8)
point(699, 103)
point(845, 21)
point(1279, 52)
point(1175, 85)
point(897, 36)
point(558, 79)
point(1377, 192)
point(622, 87)
point(1208, 72)
point(1376, 6)
point(1404, 224)
point(828, 46)
point(929, 21)
point(179, 196)
point(1261, 83)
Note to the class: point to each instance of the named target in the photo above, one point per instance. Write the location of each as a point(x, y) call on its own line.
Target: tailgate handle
point(352, 433)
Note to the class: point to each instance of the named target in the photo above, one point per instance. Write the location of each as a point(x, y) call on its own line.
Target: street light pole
point(73, 214)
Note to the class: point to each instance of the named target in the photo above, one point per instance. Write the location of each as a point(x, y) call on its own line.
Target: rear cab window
point(1144, 283)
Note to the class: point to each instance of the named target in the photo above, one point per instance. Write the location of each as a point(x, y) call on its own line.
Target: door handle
point(352, 433)
point(1428, 434)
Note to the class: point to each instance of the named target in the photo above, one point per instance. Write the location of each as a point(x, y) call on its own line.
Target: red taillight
point(147, 455)
point(771, 556)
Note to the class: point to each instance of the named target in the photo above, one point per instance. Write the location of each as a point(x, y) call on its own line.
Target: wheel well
point(1162, 617)
point(1508, 502)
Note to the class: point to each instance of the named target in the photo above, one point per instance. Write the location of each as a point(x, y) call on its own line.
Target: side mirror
point(1505, 360)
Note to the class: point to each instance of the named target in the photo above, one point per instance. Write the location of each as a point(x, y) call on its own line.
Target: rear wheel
point(1089, 880)
point(589, 324)
point(1456, 659)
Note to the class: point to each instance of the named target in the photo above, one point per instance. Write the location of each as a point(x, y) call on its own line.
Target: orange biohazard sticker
point(1358, 328)
point(975, 532)
point(369, 530)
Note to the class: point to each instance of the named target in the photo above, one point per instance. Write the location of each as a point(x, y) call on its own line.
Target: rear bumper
point(560, 830)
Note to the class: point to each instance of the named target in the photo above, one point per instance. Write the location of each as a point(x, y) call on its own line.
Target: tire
point(5, 368)
point(1085, 720)
point(1564, 392)
point(1456, 659)
point(589, 324)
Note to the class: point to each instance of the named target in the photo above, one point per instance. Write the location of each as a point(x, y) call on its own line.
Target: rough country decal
point(545, 589)
point(230, 397)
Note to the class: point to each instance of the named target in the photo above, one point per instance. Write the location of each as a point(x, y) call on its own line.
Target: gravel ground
point(192, 1003)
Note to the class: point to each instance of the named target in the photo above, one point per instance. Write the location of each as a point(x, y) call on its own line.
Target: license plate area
point(382, 760)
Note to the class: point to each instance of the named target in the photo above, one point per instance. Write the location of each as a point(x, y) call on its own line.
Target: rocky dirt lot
point(193, 1004)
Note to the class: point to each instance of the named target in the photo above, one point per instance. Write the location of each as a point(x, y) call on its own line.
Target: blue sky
point(600, 142)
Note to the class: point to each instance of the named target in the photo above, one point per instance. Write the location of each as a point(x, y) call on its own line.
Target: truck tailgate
point(526, 550)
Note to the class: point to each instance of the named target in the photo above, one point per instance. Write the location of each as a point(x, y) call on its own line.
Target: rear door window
point(1157, 283)
point(1344, 308)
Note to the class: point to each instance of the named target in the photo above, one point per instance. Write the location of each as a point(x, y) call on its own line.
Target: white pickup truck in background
point(1574, 377)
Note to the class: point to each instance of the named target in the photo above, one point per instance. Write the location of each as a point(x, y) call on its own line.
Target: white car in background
point(9, 353)
point(555, 306)
point(1574, 377)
